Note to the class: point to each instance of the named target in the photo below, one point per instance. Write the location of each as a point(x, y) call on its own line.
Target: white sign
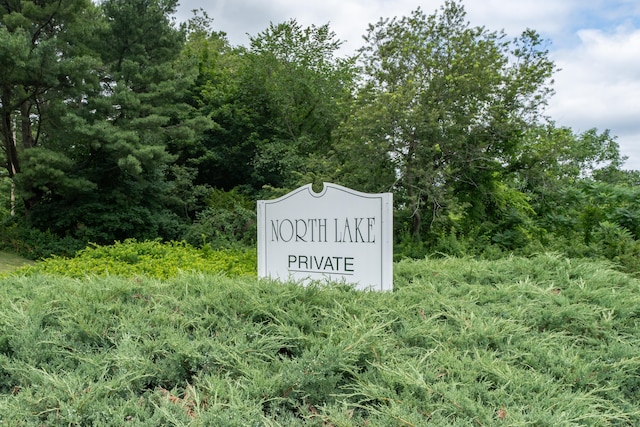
point(338, 234)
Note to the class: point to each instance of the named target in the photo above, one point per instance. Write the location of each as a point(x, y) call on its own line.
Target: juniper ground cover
point(542, 341)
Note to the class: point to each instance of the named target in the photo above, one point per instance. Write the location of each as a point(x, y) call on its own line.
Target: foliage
point(541, 341)
point(21, 239)
point(304, 89)
point(150, 258)
point(42, 66)
point(5, 196)
point(271, 106)
point(617, 244)
point(445, 105)
point(550, 156)
point(229, 220)
point(589, 217)
point(118, 123)
point(98, 107)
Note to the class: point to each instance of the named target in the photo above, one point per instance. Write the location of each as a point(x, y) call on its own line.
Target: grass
point(9, 262)
point(544, 341)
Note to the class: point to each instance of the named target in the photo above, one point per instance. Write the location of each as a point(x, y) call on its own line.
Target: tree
point(220, 154)
point(97, 165)
point(284, 97)
point(549, 155)
point(574, 182)
point(447, 105)
point(43, 66)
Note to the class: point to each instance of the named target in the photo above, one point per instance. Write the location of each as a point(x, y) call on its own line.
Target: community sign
point(337, 234)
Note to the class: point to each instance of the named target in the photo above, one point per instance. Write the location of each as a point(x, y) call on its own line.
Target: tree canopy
point(119, 122)
point(452, 103)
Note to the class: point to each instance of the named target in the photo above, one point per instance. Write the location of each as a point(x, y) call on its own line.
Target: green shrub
point(150, 258)
point(5, 199)
point(17, 237)
point(228, 220)
point(545, 341)
point(616, 243)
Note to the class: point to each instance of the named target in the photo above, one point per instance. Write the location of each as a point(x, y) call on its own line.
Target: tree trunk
point(25, 125)
point(9, 142)
point(414, 199)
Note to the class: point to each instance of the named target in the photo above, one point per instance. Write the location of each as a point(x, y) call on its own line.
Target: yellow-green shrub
point(150, 258)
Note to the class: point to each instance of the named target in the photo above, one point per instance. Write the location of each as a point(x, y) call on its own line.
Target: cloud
point(599, 86)
point(544, 16)
point(349, 19)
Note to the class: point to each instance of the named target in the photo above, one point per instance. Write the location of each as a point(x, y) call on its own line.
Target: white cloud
point(599, 86)
point(544, 16)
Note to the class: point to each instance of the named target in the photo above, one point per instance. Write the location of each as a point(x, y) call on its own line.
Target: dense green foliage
point(451, 104)
point(117, 122)
point(545, 341)
point(19, 238)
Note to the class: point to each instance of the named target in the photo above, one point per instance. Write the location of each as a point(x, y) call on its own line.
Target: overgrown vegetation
point(545, 341)
point(119, 123)
point(17, 237)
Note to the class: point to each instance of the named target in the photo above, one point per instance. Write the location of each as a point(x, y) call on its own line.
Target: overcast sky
point(595, 43)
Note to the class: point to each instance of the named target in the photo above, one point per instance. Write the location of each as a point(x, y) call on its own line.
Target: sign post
point(337, 234)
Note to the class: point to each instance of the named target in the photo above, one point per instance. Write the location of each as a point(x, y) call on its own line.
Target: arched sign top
point(326, 186)
point(336, 234)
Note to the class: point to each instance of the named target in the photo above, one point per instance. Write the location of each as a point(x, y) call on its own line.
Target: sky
point(594, 43)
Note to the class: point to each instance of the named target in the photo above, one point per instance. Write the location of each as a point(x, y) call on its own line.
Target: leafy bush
point(150, 258)
point(21, 239)
point(617, 244)
point(228, 220)
point(541, 341)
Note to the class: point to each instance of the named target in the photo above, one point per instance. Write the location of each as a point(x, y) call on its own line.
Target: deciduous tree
point(447, 104)
point(298, 91)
